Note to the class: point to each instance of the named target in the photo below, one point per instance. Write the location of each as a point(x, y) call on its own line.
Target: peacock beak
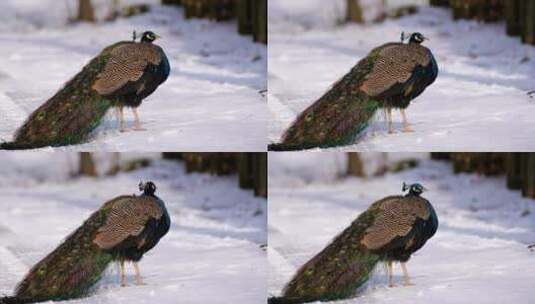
point(424, 188)
point(157, 36)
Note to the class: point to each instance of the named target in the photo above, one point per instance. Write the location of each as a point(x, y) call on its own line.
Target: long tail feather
point(338, 270)
point(12, 300)
point(68, 117)
point(71, 270)
point(337, 118)
point(290, 147)
point(15, 146)
point(290, 300)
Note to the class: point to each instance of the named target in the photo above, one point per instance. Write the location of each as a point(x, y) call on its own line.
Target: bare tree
point(87, 165)
point(115, 165)
point(86, 11)
point(354, 165)
point(115, 10)
point(354, 11)
point(382, 169)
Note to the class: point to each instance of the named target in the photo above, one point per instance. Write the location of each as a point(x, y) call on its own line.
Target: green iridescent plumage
point(70, 115)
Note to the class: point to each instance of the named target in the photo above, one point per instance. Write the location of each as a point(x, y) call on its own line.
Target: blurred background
point(485, 204)
point(251, 16)
point(518, 14)
point(217, 203)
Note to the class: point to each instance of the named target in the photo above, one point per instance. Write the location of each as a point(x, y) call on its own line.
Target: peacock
point(390, 76)
point(123, 74)
point(123, 229)
point(390, 231)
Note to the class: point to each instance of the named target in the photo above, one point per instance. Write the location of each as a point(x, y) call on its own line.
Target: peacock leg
point(389, 120)
point(137, 123)
point(123, 275)
point(407, 280)
point(390, 271)
point(406, 126)
point(139, 281)
point(121, 119)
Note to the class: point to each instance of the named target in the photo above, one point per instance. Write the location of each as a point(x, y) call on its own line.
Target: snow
point(478, 102)
point(212, 253)
point(478, 254)
point(211, 101)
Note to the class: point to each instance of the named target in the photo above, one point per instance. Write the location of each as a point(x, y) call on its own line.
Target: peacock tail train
point(337, 271)
point(336, 118)
point(70, 270)
point(70, 115)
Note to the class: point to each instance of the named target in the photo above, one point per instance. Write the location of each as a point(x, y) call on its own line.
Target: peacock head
point(414, 189)
point(148, 188)
point(417, 38)
point(149, 37)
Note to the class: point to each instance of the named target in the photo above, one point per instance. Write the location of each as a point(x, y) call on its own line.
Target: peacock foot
point(392, 285)
point(139, 128)
point(407, 129)
point(408, 283)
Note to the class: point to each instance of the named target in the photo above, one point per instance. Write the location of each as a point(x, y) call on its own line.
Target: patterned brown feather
point(395, 64)
point(127, 217)
point(396, 217)
point(126, 64)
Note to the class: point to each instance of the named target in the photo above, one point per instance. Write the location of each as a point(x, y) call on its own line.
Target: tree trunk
point(171, 2)
point(87, 165)
point(244, 11)
point(354, 165)
point(221, 10)
point(115, 165)
point(529, 22)
point(382, 169)
point(86, 12)
point(261, 172)
point(440, 155)
point(439, 2)
point(513, 15)
point(529, 175)
point(245, 170)
point(260, 21)
point(514, 170)
point(354, 11)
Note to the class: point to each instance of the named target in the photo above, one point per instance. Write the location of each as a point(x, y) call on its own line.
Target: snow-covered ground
point(478, 255)
point(212, 254)
point(478, 102)
point(211, 101)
